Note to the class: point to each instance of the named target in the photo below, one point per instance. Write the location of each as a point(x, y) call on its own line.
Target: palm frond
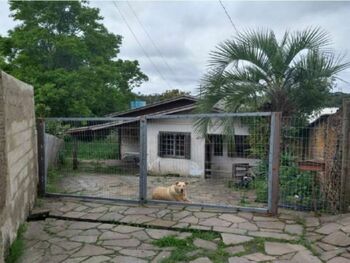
point(312, 38)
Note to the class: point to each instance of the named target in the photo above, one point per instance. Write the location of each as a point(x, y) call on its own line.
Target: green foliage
point(168, 94)
point(57, 129)
point(171, 241)
point(17, 248)
point(259, 184)
point(99, 149)
point(336, 99)
point(207, 235)
point(65, 52)
point(295, 185)
point(256, 72)
point(53, 178)
point(184, 246)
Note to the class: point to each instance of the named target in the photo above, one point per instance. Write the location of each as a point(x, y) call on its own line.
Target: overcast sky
point(184, 32)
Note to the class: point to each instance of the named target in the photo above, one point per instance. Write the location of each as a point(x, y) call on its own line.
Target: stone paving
point(210, 191)
point(290, 237)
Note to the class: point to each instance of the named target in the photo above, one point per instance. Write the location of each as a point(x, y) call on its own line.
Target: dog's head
point(180, 187)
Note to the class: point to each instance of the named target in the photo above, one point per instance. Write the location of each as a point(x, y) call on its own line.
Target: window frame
point(174, 145)
point(242, 141)
point(218, 144)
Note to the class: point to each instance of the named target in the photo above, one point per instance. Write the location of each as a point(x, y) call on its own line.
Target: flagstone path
point(125, 233)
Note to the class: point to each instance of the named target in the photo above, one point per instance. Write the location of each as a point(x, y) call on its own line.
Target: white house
point(174, 146)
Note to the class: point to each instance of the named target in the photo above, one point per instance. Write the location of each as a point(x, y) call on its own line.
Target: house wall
point(183, 167)
point(18, 157)
point(221, 165)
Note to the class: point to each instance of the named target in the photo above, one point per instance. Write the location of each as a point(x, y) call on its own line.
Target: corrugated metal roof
point(323, 112)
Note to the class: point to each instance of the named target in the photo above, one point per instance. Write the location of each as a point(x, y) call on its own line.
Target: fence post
point(274, 162)
point(143, 161)
point(40, 126)
point(345, 170)
point(75, 154)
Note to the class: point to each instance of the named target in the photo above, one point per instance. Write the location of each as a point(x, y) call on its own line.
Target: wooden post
point(274, 162)
point(75, 153)
point(40, 127)
point(345, 170)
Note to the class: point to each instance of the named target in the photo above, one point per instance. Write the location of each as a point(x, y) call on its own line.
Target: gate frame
point(273, 166)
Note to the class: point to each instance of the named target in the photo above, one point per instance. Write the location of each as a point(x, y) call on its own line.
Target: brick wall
point(18, 157)
point(331, 181)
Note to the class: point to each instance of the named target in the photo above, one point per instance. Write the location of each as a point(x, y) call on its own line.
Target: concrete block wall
point(18, 157)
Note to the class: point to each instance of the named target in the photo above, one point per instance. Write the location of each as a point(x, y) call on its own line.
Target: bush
point(295, 185)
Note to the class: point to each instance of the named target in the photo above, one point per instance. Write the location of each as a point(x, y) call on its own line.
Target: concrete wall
point(18, 157)
point(52, 148)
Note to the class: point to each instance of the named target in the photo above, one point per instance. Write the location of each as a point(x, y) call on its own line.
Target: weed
point(205, 235)
point(171, 241)
point(17, 247)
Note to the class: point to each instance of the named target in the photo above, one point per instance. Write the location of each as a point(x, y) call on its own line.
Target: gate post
point(143, 161)
point(345, 169)
point(40, 127)
point(274, 162)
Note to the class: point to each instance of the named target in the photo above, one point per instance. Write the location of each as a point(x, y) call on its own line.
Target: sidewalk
point(124, 233)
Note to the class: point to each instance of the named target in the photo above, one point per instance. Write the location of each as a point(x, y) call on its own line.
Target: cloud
point(186, 31)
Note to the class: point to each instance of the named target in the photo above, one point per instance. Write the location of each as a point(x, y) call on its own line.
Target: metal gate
point(223, 160)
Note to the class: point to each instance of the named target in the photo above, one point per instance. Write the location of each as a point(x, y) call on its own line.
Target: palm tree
point(256, 71)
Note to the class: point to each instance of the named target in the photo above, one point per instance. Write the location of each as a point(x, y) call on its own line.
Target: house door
point(207, 160)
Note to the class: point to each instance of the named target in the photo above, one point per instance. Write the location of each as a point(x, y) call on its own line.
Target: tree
point(255, 71)
point(65, 52)
point(168, 94)
point(336, 99)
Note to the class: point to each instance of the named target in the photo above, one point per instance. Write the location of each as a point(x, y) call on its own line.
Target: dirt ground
point(207, 191)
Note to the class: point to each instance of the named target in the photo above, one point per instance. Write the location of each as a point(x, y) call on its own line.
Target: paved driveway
point(210, 191)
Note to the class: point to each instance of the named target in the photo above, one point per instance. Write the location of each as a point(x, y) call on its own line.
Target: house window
point(217, 141)
point(174, 145)
point(238, 147)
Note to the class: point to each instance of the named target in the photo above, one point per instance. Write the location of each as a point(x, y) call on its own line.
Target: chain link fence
point(89, 157)
point(225, 160)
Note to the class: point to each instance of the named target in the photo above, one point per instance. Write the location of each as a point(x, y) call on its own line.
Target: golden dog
point(176, 192)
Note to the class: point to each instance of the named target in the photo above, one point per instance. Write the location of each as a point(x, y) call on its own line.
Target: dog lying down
point(176, 192)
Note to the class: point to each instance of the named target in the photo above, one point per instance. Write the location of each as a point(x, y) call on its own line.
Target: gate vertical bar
point(345, 169)
point(274, 162)
point(143, 161)
point(41, 157)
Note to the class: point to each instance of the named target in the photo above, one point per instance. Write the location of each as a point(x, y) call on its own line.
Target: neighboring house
point(173, 145)
point(317, 132)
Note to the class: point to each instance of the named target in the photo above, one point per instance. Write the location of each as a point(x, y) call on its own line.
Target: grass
point(92, 152)
point(253, 246)
point(171, 241)
point(17, 247)
point(53, 177)
point(100, 149)
point(209, 235)
point(183, 246)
